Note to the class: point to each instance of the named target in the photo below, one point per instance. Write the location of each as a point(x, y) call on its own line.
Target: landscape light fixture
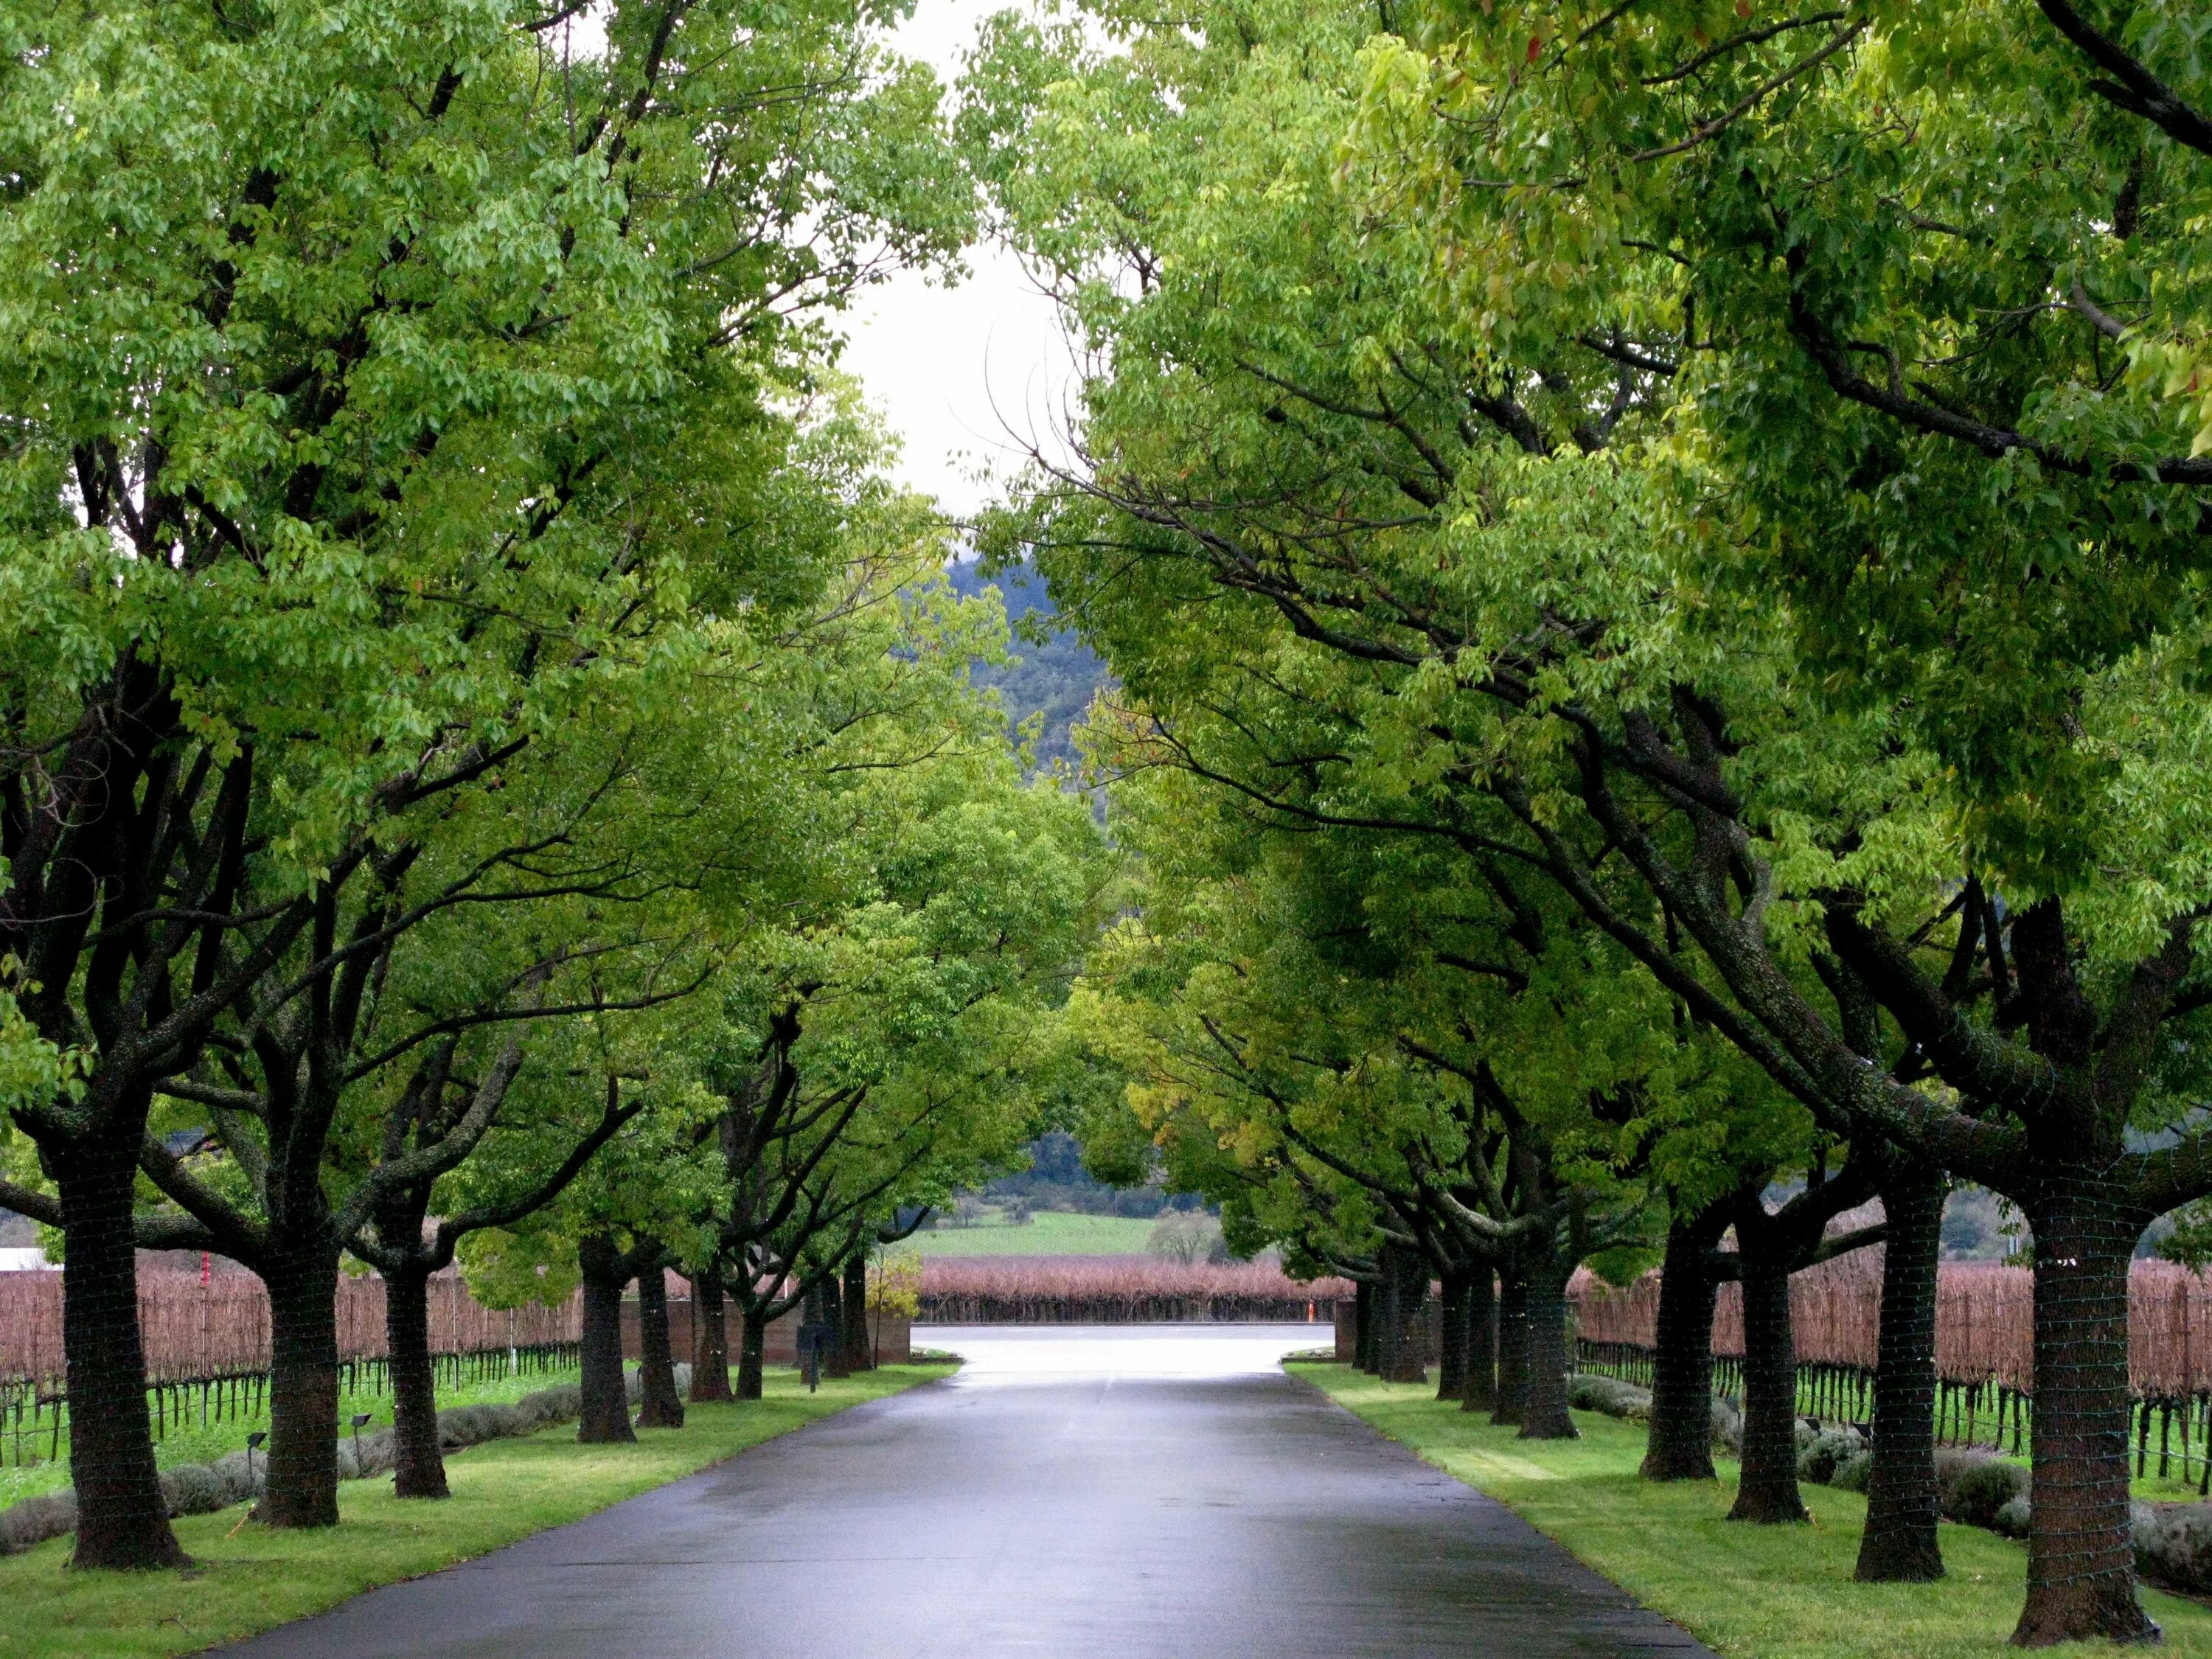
point(359, 1418)
point(254, 1442)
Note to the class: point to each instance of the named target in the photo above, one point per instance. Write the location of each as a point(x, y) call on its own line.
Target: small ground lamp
point(359, 1418)
point(254, 1442)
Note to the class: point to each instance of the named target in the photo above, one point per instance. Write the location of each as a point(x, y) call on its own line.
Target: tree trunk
point(1404, 1298)
point(1480, 1394)
point(1512, 1343)
point(1768, 1491)
point(420, 1468)
point(752, 1339)
point(1451, 1349)
point(659, 1406)
point(1414, 1305)
point(606, 1399)
point(2080, 1563)
point(123, 1521)
point(835, 1363)
point(302, 1488)
point(1389, 1325)
point(1681, 1446)
point(810, 1321)
point(1899, 1543)
point(710, 1336)
point(860, 1356)
point(1544, 1414)
point(1363, 1327)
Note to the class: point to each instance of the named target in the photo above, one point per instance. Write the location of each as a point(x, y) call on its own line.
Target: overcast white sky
point(966, 374)
point(963, 373)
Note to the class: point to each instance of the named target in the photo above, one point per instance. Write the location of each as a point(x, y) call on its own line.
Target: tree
point(1369, 569)
point(291, 496)
point(1881, 253)
point(1349, 1022)
point(407, 1257)
point(1868, 246)
point(300, 1075)
point(858, 1055)
point(870, 1062)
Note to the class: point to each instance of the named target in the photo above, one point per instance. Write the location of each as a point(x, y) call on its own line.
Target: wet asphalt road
point(1101, 1493)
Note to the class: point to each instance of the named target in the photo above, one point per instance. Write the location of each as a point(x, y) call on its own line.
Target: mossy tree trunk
point(2080, 1562)
point(1452, 1330)
point(710, 1335)
point(860, 1352)
point(660, 1404)
point(1405, 1290)
point(752, 1345)
point(1680, 1445)
point(1390, 1322)
point(302, 1488)
point(1480, 1393)
point(1767, 1491)
point(1512, 1341)
point(1900, 1544)
point(604, 1273)
point(419, 1470)
point(1544, 1414)
point(1771, 1246)
point(122, 1520)
point(835, 1362)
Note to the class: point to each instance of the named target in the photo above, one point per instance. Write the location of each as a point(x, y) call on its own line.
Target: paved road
point(1102, 1493)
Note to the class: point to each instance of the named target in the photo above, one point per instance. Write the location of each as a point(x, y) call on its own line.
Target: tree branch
point(2139, 92)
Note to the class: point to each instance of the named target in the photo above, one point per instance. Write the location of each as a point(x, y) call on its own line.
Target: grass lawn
point(1050, 1232)
point(249, 1578)
point(1758, 1592)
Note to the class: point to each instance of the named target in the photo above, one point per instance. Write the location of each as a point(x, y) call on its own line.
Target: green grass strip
point(1768, 1592)
point(1048, 1232)
point(251, 1579)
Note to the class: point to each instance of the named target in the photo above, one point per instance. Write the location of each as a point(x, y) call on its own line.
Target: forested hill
point(1056, 677)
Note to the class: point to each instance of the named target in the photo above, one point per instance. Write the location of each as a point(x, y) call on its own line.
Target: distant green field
point(1050, 1232)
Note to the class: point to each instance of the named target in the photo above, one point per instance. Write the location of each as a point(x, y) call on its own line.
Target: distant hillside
point(1056, 677)
point(1056, 1180)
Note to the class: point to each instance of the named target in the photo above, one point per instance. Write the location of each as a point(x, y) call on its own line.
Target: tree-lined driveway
point(1099, 1494)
